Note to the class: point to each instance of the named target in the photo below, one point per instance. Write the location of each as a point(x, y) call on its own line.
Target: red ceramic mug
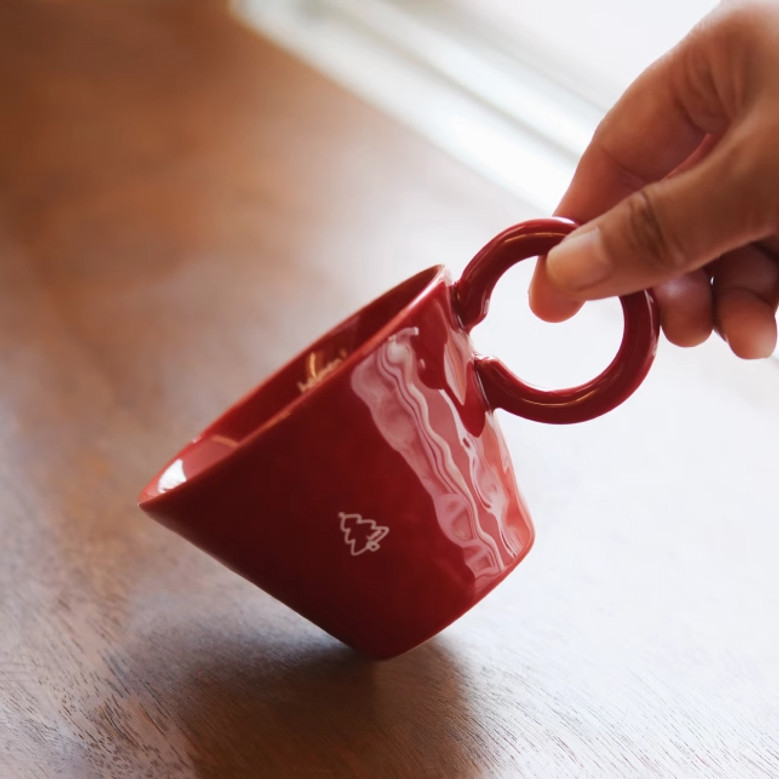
point(366, 484)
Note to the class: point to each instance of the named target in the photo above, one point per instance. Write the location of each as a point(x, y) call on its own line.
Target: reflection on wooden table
point(182, 208)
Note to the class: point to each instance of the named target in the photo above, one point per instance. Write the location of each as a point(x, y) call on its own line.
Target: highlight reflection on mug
point(417, 420)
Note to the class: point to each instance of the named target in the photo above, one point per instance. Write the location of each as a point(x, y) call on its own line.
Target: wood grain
point(182, 207)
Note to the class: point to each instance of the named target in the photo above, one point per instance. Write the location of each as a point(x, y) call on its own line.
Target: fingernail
point(579, 261)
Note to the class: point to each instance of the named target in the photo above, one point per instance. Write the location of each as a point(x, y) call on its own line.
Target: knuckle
point(749, 166)
point(648, 237)
point(755, 175)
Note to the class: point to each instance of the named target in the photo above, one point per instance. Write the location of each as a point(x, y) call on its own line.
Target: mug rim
point(432, 277)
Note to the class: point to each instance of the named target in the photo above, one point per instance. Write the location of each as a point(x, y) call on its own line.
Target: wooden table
point(183, 207)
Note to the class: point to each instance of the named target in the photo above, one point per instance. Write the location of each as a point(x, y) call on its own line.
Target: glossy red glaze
point(366, 484)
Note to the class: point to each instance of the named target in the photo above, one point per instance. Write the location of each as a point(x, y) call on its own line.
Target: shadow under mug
point(366, 484)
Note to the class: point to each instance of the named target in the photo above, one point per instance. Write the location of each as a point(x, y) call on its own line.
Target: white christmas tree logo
point(361, 535)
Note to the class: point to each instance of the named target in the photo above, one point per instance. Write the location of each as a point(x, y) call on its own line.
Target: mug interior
point(279, 395)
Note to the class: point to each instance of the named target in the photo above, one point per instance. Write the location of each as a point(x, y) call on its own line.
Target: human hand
point(679, 190)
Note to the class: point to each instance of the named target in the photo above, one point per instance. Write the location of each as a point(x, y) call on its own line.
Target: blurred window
point(511, 87)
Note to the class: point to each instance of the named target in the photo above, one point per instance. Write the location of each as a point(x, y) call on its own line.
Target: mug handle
point(471, 298)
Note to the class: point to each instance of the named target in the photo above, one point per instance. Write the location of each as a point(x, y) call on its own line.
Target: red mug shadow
point(269, 708)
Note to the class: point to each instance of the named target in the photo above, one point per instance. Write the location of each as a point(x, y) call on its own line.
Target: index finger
point(656, 125)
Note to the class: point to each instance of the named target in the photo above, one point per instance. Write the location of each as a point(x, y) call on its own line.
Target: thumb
point(670, 227)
